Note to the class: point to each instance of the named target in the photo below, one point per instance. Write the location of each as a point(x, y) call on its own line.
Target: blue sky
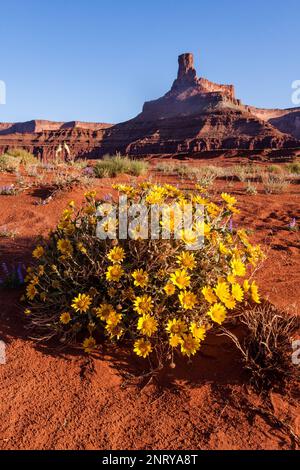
point(98, 60)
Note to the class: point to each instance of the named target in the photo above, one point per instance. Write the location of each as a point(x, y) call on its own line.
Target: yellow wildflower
point(142, 347)
point(186, 260)
point(81, 303)
point(189, 345)
point(223, 249)
point(242, 234)
point(143, 304)
point(233, 209)
point(246, 286)
point(65, 318)
point(67, 214)
point(81, 248)
point(64, 246)
point(213, 209)
point(114, 273)
point(90, 194)
point(228, 199)
point(209, 294)
point(38, 252)
point(140, 278)
point(237, 292)
point(222, 291)
point(89, 344)
point(231, 279)
point(174, 340)
point(188, 236)
point(197, 199)
point(114, 330)
point(254, 293)
point(116, 255)
point(197, 331)
point(104, 311)
point(31, 291)
point(217, 313)
point(238, 267)
point(230, 303)
point(202, 229)
point(187, 299)
point(176, 327)
point(155, 197)
point(147, 325)
point(113, 318)
point(169, 289)
point(180, 279)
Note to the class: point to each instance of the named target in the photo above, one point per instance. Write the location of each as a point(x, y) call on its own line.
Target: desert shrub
point(79, 163)
point(8, 163)
point(266, 347)
point(274, 169)
point(31, 170)
point(159, 294)
point(246, 172)
point(7, 233)
point(207, 175)
point(23, 156)
point(168, 168)
point(204, 175)
point(274, 183)
point(294, 168)
point(138, 167)
point(110, 167)
point(251, 188)
point(241, 172)
point(188, 171)
point(65, 181)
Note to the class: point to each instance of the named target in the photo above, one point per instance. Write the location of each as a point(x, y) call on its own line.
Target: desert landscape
point(62, 399)
point(67, 395)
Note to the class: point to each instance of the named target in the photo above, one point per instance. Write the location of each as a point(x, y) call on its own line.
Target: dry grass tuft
point(266, 348)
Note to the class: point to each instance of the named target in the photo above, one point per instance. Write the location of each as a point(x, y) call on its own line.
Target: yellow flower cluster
point(157, 293)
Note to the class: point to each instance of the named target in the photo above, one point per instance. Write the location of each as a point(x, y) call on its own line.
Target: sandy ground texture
point(62, 399)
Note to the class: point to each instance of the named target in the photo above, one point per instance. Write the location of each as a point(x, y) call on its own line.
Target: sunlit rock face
point(195, 115)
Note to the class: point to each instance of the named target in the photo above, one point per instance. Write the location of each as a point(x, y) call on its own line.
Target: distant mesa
point(195, 115)
point(36, 126)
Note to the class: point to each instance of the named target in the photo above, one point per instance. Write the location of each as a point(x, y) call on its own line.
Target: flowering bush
point(156, 293)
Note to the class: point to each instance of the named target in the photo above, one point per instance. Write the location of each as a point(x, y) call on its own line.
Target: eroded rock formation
point(195, 115)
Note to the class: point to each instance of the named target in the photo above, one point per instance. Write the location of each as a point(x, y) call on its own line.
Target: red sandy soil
point(51, 398)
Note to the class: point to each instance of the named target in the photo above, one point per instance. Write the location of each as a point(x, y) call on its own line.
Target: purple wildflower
point(20, 273)
point(88, 171)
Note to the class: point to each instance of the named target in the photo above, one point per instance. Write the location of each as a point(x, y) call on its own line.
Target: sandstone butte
point(195, 117)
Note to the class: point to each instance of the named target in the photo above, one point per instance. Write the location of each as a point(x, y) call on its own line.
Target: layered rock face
point(195, 115)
